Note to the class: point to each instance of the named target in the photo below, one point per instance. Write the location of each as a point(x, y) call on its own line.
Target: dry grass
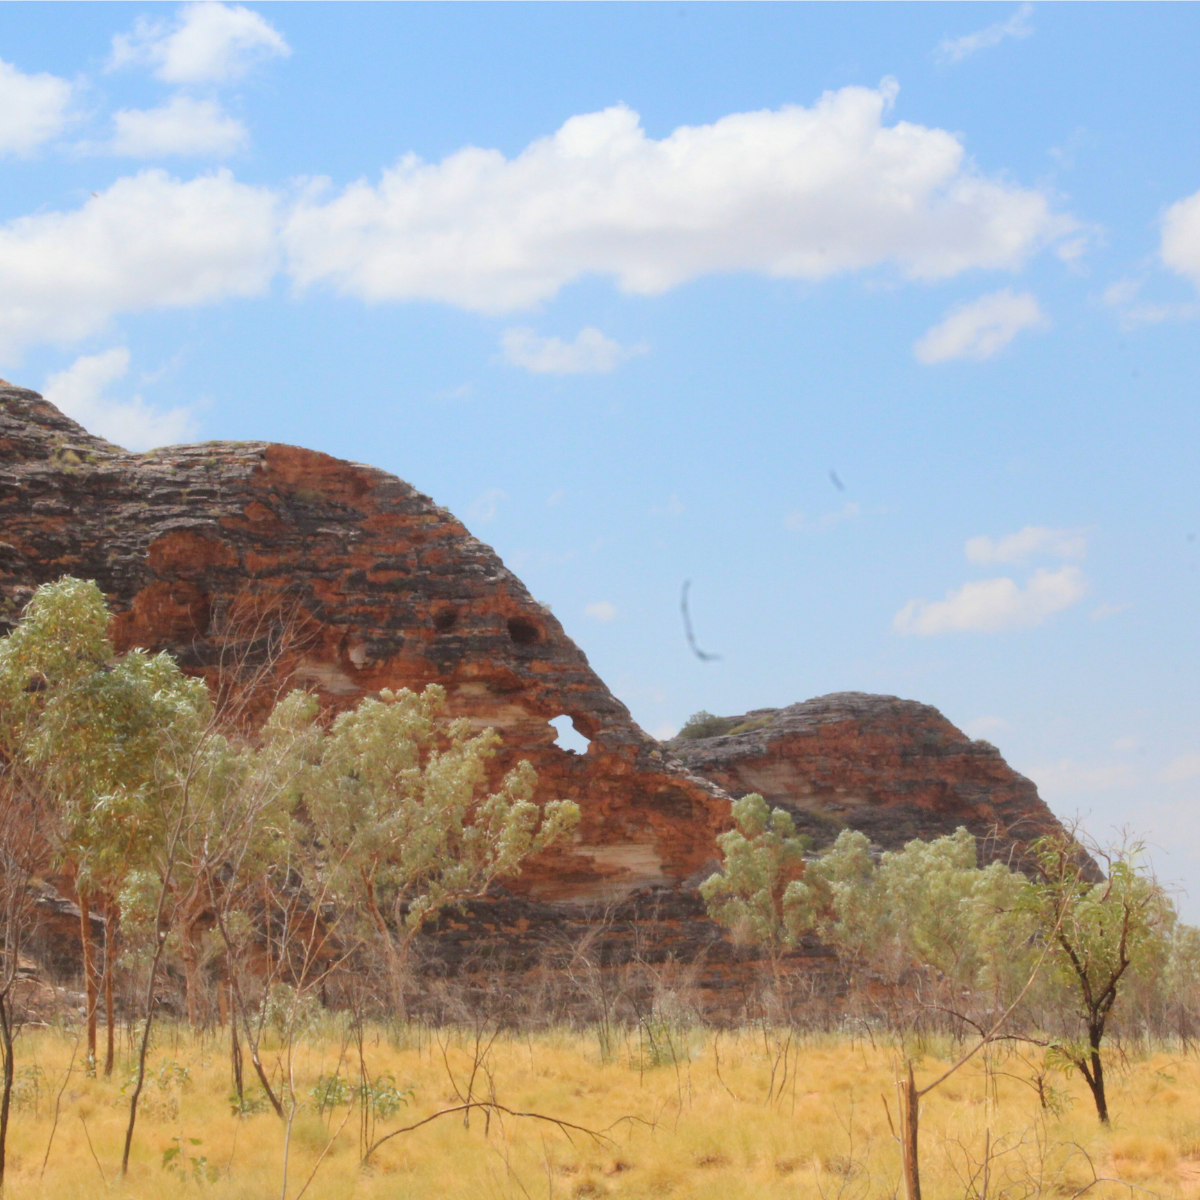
point(694, 1133)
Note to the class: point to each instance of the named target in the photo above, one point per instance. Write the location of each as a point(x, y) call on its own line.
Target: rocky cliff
point(259, 565)
point(343, 579)
point(894, 769)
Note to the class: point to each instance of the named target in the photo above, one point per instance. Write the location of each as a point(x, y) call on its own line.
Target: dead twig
point(566, 1127)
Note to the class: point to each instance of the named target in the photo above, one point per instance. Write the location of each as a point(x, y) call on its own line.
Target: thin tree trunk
point(909, 1117)
point(110, 953)
point(89, 977)
point(6, 1036)
point(189, 952)
point(235, 1057)
point(1095, 1077)
point(144, 1046)
point(240, 1010)
point(395, 960)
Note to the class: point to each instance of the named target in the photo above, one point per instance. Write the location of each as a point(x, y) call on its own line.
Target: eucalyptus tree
point(23, 850)
point(111, 743)
point(928, 906)
point(405, 821)
point(1102, 935)
point(367, 828)
point(97, 735)
point(751, 895)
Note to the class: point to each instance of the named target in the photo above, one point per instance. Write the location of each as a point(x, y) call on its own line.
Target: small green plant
point(385, 1098)
point(704, 724)
point(331, 1091)
point(382, 1095)
point(167, 1083)
point(661, 1043)
point(172, 1074)
point(248, 1104)
point(187, 1165)
point(27, 1088)
point(291, 1013)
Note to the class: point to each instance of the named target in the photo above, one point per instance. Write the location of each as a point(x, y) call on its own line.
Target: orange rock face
point(345, 580)
point(893, 768)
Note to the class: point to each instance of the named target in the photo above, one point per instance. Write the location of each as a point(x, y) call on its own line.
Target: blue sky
point(621, 285)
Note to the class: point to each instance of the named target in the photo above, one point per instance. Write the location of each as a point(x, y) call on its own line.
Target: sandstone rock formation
point(894, 769)
point(213, 550)
point(346, 580)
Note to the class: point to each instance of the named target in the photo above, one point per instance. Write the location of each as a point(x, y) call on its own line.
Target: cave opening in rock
point(522, 631)
point(569, 738)
point(445, 619)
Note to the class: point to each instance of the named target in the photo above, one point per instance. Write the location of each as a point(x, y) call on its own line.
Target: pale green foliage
point(928, 905)
point(396, 800)
point(388, 807)
point(840, 898)
point(103, 736)
point(1181, 978)
point(1107, 936)
point(1103, 939)
point(955, 917)
point(763, 854)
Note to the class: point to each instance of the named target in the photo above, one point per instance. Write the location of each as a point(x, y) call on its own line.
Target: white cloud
point(981, 328)
point(1182, 769)
point(664, 732)
point(990, 605)
point(799, 522)
point(181, 126)
point(485, 506)
point(33, 109)
point(590, 352)
point(983, 727)
point(1030, 542)
point(1180, 248)
point(1103, 611)
point(79, 391)
point(1126, 744)
point(602, 610)
point(1017, 26)
point(1067, 777)
point(207, 43)
point(799, 193)
point(149, 241)
point(1153, 314)
point(1121, 292)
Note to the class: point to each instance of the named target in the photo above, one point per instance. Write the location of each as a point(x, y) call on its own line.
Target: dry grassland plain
point(735, 1116)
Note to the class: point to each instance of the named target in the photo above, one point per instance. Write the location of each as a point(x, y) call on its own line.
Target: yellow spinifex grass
point(728, 1116)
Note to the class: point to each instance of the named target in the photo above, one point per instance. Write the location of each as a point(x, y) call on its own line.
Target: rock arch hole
point(569, 738)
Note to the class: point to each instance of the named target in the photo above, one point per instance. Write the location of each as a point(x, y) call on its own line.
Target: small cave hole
point(523, 632)
point(445, 619)
point(569, 738)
